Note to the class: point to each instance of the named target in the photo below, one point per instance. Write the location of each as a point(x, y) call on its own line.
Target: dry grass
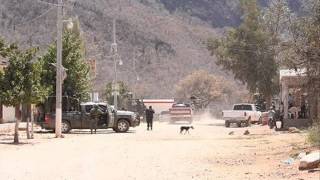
point(314, 134)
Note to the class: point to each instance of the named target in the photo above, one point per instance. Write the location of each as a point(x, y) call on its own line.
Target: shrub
point(314, 134)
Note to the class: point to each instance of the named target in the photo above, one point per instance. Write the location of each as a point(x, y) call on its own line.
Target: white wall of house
point(159, 105)
point(8, 114)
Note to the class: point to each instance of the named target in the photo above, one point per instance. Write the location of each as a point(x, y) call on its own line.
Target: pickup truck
point(119, 121)
point(180, 112)
point(242, 114)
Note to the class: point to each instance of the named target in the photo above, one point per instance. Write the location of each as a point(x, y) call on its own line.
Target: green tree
point(21, 82)
point(247, 53)
point(76, 83)
point(122, 96)
point(203, 87)
point(5, 49)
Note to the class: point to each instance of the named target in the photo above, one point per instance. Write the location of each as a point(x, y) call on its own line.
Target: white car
point(242, 114)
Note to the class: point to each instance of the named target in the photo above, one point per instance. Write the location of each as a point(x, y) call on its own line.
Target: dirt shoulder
point(208, 152)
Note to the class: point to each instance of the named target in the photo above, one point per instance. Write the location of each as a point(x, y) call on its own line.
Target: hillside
point(162, 39)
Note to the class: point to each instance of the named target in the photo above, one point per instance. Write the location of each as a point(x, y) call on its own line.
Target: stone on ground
point(310, 161)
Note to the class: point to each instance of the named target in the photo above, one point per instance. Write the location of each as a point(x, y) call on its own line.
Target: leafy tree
point(76, 83)
point(247, 53)
point(203, 87)
point(5, 50)
point(21, 83)
point(122, 96)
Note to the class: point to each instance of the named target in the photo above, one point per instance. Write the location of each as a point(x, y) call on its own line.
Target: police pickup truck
point(119, 121)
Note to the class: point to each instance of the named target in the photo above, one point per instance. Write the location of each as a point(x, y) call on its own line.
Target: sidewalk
point(9, 127)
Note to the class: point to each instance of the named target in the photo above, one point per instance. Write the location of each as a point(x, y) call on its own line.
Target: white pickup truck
point(242, 114)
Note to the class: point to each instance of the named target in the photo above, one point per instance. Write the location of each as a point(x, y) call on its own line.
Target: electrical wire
point(44, 2)
point(36, 18)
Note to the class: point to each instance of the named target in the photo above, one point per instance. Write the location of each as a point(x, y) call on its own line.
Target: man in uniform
point(95, 114)
point(149, 117)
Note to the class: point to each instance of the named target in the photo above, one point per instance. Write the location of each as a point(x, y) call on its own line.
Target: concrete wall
point(8, 114)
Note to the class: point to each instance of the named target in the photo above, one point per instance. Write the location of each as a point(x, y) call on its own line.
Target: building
point(297, 102)
point(159, 105)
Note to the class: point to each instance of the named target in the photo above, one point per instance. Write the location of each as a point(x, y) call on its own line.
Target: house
point(159, 105)
point(298, 103)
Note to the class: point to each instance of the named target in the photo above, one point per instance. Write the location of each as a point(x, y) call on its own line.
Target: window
point(243, 107)
point(88, 108)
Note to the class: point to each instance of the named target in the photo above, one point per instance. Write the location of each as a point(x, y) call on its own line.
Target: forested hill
point(161, 41)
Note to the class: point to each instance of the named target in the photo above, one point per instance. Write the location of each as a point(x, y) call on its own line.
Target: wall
point(159, 105)
point(8, 114)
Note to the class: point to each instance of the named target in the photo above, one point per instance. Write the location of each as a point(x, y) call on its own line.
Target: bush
point(314, 134)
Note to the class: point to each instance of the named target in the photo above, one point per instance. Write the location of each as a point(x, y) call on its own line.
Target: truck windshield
point(243, 107)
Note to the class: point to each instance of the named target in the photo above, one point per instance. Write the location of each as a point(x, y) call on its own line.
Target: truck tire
point(247, 123)
point(227, 124)
point(65, 126)
point(122, 126)
point(239, 124)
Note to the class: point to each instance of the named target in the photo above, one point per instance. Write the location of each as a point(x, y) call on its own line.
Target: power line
point(44, 2)
point(36, 18)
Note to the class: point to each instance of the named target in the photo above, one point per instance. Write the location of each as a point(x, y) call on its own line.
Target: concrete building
point(299, 104)
point(159, 105)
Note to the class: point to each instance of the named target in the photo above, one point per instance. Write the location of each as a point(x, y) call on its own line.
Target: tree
point(203, 87)
point(76, 82)
point(247, 53)
point(122, 96)
point(20, 83)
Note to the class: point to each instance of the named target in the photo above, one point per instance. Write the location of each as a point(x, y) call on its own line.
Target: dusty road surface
point(208, 152)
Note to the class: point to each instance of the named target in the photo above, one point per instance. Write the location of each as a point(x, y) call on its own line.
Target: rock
point(293, 130)
point(301, 155)
point(246, 132)
point(310, 161)
point(231, 133)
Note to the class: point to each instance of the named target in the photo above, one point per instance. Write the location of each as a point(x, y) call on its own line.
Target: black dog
point(185, 129)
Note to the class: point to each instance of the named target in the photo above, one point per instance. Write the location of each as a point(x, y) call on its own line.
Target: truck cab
point(241, 114)
point(119, 121)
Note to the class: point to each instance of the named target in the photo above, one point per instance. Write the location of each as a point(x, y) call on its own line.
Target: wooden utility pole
point(59, 72)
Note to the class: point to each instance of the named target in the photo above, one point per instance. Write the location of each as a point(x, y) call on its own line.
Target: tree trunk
point(16, 129)
point(25, 118)
point(1, 113)
point(32, 120)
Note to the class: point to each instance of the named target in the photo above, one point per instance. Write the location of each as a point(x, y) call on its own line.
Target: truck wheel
point(239, 124)
point(122, 126)
point(65, 127)
point(227, 124)
point(260, 120)
point(247, 123)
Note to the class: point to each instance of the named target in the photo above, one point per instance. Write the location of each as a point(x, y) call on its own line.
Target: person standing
point(95, 114)
point(149, 117)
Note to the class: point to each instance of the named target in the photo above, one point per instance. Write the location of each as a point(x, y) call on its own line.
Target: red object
point(47, 119)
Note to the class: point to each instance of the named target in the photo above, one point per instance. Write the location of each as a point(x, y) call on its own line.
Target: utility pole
point(114, 50)
point(58, 68)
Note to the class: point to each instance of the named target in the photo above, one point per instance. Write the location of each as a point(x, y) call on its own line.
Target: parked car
point(242, 114)
point(119, 121)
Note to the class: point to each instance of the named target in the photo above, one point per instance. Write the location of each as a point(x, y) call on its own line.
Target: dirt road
point(208, 152)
